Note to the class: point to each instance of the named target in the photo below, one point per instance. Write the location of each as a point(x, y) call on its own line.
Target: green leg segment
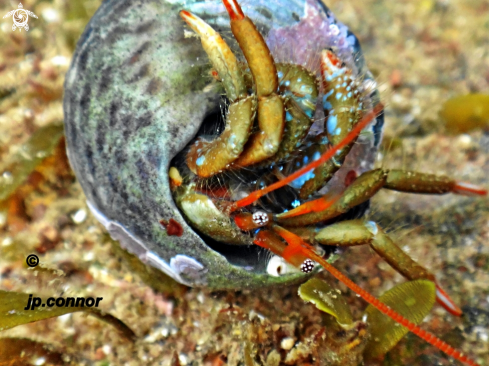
point(367, 184)
point(359, 232)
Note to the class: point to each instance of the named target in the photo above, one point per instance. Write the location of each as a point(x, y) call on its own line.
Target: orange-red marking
point(244, 221)
point(446, 302)
point(335, 61)
point(234, 10)
point(173, 227)
point(350, 177)
point(317, 205)
point(469, 189)
point(186, 14)
point(221, 192)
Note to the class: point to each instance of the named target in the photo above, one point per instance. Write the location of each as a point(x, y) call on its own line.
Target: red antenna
point(296, 242)
point(297, 245)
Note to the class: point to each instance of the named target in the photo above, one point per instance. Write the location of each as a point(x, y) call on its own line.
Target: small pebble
point(183, 359)
point(79, 216)
point(39, 361)
point(287, 343)
point(396, 78)
point(50, 15)
point(465, 141)
point(7, 241)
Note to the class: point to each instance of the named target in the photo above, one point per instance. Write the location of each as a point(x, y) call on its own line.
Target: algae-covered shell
point(136, 94)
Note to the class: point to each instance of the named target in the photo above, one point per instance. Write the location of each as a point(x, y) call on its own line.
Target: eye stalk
point(260, 218)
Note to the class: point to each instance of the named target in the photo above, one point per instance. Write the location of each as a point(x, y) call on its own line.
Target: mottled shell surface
point(136, 94)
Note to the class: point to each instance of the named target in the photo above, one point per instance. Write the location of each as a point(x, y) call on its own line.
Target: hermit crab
point(233, 171)
point(141, 88)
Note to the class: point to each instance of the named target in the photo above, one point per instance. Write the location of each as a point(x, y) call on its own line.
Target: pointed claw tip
point(468, 189)
point(185, 14)
point(446, 302)
point(189, 18)
point(234, 10)
point(331, 67)
point(329, 57)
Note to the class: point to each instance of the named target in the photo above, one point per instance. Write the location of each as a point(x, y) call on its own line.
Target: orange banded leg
point(207, 158)
point(414, 182)
point(271, 113)
point(367, 184)
point(364, 187)
point(359, 232)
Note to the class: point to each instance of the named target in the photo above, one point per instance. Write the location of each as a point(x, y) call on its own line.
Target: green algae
point(466, 113)
point(413, 300)
point(40, 145)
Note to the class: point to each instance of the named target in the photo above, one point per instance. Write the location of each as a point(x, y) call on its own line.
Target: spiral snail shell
point(138, 92)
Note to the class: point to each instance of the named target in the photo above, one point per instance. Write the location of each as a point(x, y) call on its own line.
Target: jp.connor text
point(35, 302)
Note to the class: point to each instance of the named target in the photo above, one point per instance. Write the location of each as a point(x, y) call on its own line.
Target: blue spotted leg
point(343, 104)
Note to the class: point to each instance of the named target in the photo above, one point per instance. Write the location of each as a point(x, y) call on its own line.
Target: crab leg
point(296, 242)
point(299, 88)
point(364, 187)
point(367, 184)
point(359, 232)
point(207, 158)
point(222, 58)
point(342, 104)
point(271, 113)
point(296, 128)
point(255, 195)
point(270, 240)
point(301, 91)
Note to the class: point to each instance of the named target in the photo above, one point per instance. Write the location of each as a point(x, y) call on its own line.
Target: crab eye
point(260, 218)
point(307, 266)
